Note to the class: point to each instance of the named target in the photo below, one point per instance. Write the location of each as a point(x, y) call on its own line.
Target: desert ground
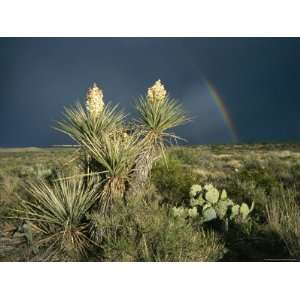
point(266, 174)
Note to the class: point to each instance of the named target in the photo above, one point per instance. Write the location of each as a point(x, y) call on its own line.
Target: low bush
point(149, 232)
point(173, 181)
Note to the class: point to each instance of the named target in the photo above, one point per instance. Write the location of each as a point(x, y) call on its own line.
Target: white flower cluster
point(94, 100)
point(157, 92)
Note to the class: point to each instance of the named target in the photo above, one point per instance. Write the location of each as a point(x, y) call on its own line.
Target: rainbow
point(222, 108)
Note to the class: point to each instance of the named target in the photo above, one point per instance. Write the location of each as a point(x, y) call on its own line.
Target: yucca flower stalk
point(59, 211)
point(157, 92)
point(94, 101)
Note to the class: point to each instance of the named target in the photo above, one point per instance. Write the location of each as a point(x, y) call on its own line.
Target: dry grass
point(284, 218)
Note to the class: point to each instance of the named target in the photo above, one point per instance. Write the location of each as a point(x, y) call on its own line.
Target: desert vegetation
point(127, 192)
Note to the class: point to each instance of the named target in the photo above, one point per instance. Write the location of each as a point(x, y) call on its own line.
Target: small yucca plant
point(117, 153)
point(59, 212)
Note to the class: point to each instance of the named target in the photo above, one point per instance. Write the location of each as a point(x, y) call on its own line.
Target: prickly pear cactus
point(212, 195)
point(209, 214)
point(193, 212)
point(222, 208)
point(196, 196)
point(213, 204)
point(195, 190)
point(235, 210)
point(207, 204)
point(245, 210)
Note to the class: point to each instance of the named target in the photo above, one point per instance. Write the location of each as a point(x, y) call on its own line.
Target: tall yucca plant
point(59, 212)
point(157, 118)
point(100, 130)
point(95, 120)
point(158, 113)
point(109, 150)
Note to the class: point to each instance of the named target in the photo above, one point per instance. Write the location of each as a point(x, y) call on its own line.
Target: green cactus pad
point(209, 214)
point(244, 211)
point(222, 208)
point(195, 190)
point(206, 205)
point(212, 195)
point(230, 202)
point(235, 210)
point(198, 201)
point(208, 186)
point(192, 212)
point(223, 195)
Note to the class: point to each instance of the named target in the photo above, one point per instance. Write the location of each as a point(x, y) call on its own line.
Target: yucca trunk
point(142, 172)
point(113, 192)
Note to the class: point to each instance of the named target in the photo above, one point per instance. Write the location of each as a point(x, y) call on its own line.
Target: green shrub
point(261, 176)
point(187, 155)
point(148, 232)
point(174, 181)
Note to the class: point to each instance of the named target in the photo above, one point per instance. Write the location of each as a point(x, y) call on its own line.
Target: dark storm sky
point(258, 80)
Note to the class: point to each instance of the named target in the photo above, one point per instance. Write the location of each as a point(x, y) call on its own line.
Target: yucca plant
point(79, 124)
point(116, 156)
point(58, 212)
point(158, 113)
point(123, 154)
point(98, 129)
point(117, 153)
point(95, 119)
